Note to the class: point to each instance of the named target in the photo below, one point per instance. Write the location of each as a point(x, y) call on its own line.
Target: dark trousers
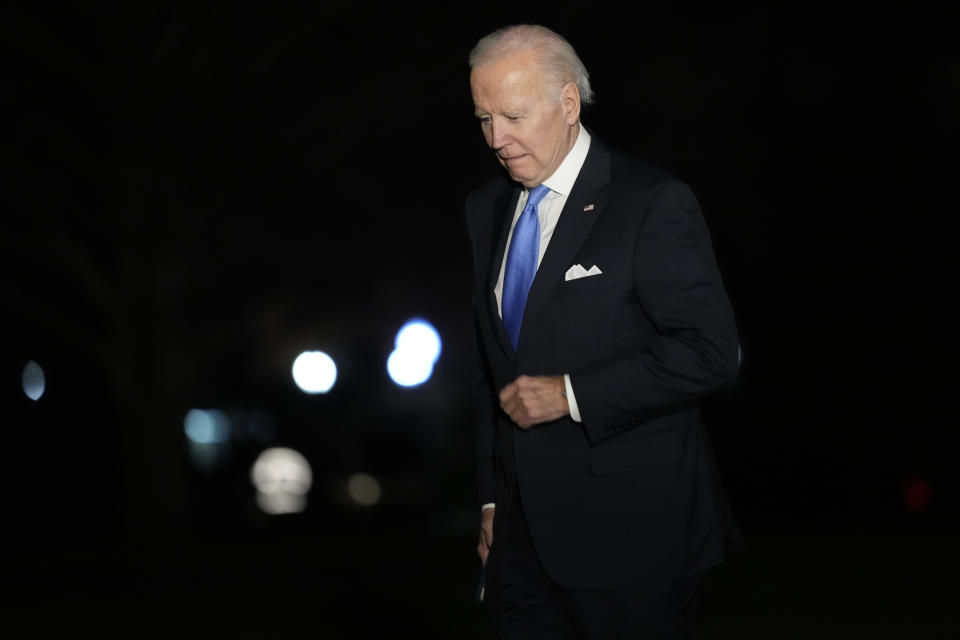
point(525, 604)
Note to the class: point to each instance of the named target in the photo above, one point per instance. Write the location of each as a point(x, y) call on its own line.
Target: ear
point(570, 100)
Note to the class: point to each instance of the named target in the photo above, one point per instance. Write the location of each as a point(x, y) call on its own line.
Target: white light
point(364, 489)
point(207, 426)
point(314, 372)
point(407, 369)
point(279, 503)
point(282, 478)
point(419, 336)
point(417, 348)
point(34, 382)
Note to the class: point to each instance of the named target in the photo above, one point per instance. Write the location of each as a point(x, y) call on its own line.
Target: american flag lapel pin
point(589, 207)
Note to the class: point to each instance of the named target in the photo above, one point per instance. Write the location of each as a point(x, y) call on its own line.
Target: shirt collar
point(566, 174)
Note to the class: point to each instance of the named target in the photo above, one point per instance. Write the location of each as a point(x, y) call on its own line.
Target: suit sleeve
point(694, 350)
point(484, 416)
point(483, 398)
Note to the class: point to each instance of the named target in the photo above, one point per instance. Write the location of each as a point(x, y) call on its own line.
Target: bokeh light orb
point(408, 369)
point(916, 493)
point(314, 372)
point(417, 347)
point(207, 426)
point(418, 336)
point(282, 478)
point(34, 381)
point(364, 489)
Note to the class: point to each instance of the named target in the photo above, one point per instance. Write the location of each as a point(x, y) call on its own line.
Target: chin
point(523, 179)
point(519, 174)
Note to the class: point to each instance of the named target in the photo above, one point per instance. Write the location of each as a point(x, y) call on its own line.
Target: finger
point(516, 414)
point(510, 406)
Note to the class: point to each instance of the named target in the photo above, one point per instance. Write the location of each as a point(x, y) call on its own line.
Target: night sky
point(197, 192)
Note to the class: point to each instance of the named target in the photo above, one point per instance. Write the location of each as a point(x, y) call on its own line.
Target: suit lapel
point(505, 206)
point(572, 229)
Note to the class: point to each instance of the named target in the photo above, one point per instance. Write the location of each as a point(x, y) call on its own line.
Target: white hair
point(555, 56)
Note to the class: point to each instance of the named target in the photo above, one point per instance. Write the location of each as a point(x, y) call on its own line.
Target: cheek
point(538, 138)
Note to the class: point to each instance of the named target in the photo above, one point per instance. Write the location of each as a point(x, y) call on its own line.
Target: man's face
point(530, 131)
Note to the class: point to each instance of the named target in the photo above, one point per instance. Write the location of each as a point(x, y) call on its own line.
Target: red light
point(916, 494)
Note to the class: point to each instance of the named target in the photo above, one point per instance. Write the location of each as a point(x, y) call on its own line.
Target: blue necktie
point(521, 263)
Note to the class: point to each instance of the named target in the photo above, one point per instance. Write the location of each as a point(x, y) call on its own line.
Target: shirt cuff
point(571, 399)
point(489, 505)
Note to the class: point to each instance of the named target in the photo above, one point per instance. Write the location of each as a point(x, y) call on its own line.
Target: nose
point(498, 137)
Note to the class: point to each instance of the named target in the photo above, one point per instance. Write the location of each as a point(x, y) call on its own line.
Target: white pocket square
point(577, 271)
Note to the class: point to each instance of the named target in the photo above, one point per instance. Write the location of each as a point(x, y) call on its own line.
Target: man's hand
point(533, 400)
point(486, 534)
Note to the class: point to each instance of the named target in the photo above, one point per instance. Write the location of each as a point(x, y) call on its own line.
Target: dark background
point(194, 193)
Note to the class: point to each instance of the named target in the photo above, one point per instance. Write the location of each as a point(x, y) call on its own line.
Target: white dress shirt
point(548, 213)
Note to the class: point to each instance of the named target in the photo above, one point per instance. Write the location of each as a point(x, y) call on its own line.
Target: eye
point(513, 118)
point(484, 120)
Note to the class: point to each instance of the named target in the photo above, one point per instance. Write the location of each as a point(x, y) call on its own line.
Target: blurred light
point(407, 370)
point(34, 382)
point(314, 372)
point(282, 478)
point(363, 489)
point(420, 337)
point(416, 349)
point(207, 426)
point(917, 493)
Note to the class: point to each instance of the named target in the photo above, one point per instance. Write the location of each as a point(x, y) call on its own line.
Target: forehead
point(512, 79)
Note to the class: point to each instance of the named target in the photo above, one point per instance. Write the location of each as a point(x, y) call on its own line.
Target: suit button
point(530, 448)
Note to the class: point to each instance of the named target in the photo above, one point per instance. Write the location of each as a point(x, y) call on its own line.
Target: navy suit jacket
point(630, 496)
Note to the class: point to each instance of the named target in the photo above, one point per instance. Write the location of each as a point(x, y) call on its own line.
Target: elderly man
point(601, 323)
